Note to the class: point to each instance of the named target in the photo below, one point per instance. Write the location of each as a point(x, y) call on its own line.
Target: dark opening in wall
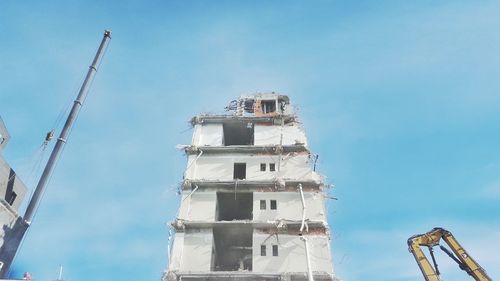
point(275, 250)
point(273, 205)
point(268, 106)
point(234, 206)
point(272, 167)
point(262, 167)
point(238, 133)
point(263, 250)
point(240, 171)
point(233, 248)
point(262, 204)
point(12, 198)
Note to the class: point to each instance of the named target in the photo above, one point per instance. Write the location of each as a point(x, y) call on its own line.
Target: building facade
point(252, 206)
point(12, 193)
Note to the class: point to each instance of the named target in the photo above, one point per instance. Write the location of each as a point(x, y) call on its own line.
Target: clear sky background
point(400, 99)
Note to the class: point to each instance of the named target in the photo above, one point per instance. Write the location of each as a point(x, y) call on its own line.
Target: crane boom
point(13, 236)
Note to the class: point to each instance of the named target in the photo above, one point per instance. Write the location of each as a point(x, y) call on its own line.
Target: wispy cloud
point(491, 190)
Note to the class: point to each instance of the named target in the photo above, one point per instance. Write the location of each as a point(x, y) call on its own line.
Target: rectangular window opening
point(12, 198)
point(268, 106)
point(234, 206)
point(273, 205)
point(262, 204)
point(262, 167)
point(263, 250)
point(272, 167)
point(233, 248)
point(275, 250)
point(238, 133)
point(240, 171)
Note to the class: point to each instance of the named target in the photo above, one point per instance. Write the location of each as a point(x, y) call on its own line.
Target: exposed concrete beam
point(245, 149)
point(289, 225)
point(232, 275)
point(203, 119)
point(275, 184)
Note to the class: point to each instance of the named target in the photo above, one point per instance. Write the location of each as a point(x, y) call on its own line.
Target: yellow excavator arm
point(457, 253)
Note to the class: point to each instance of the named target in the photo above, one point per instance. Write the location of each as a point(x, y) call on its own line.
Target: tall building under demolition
point(252, 206)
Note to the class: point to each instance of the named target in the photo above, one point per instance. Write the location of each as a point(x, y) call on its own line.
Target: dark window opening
point(268, 106)
point(262, 204)
point(12, 198)
point(282, 104)
point(275, 250)
point(233, 248)
point(238, 133)
point(249, 104)
point(263, 250)
point(234, 206)
point(240, 171)
point(273, 204)
point(272, 167)
point(263, 167)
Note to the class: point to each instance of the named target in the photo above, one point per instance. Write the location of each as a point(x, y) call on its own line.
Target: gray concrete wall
point(291, 253)
point(201, 206)
point(207, 135)
point(220, 167)
point(271, 135)
point(192, 251)
point(10, 182)
point(8, 217)
point(264, 134)
point(4, 135)
point(289, 206)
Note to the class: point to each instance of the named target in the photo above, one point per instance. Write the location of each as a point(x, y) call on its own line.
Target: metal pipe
point(280, 147)
point(309, 269)
point(61, 140)
point(191, 164)
point(191, 193)
point(303, 208)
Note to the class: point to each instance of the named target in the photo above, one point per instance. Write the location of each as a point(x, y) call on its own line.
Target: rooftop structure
point(252, 206)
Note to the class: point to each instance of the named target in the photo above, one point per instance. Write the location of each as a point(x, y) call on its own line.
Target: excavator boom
point(457, 253)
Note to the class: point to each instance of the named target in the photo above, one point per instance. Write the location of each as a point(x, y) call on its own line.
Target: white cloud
point(491, 190)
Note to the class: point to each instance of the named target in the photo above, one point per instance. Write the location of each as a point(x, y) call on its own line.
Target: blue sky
point(400, 100)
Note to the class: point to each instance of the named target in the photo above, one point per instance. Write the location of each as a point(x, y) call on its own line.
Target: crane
point(457, 253)
point(13, 236)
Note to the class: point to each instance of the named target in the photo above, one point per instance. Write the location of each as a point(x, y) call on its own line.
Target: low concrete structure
point(252, 206)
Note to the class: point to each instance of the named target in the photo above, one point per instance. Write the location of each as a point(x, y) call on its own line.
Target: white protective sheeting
point(207, 135)
point(192, 251)
point(271, 135)
point(176, 252)
point(288, 206)
point(220, 167)
point(291, 253)
point(200, 206)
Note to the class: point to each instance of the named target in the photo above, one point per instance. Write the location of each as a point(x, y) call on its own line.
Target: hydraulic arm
point(457, 253)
